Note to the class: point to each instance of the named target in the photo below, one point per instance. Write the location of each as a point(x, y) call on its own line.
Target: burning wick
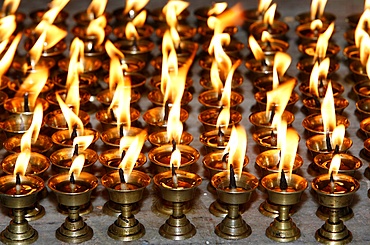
point(75, 152)
point(328, 143)
point(224, 160)
point(173, 145)
point(121, 134)
point(317, 101)
point(232, 184)
point(220, 137)
point(134, 46)
point(122, 179)
point(123, 154)
point(74, 132)
point(72, 182)
point(18, 186)
point(26, 104)
point(112, 116)
point(272, 112)
point(332, 184)
point(283, 182)
point(174, 178)
point(166, 111)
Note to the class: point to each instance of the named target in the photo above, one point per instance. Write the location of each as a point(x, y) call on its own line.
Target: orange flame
point(120, 104)
point(76, 60)
point(131, 32)
point(174, 124)
point(281, 64)
point(226, 94)
point(96, 28)
point(328, 110)
point(53, 34)
point(96, 8)
point(140, 19)
point(317, 8)
point(175, 159)
point(231, 17)
point(55, 7)
point(335, 165)
point(323, 42)
point(10, 6)
point(281, 129)
point(237, 147)
point(36, 51)
point(71, 118)
point(359, 34)
point(269, 16)
point(216, 48)
point(32, 133)
point(113, 51)
point(266, 37)
point(83, 142)
point(21, 163)
point(223, 118)
point(215, 77)
point(338, 136)
point(7, 27)
point(73, 96)
point(263, 5)
point(288, 152)
point(33, 85)
point(364, 49)
point(7, 59)
point(367, 4)
point(132, 154)
point(316, 25)
point(134, 5)
point(217, 8)
point(314, 80)
point(77, 165)
point(256, 48)
point(175, 6)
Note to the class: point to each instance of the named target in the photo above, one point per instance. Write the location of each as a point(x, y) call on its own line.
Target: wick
point(26, 104)
point(122, 179)
point(75, 152)
point(72, 182)
point(263, 62)
point(220, 137)
point(336, 149)
point(123, 154)
point(174, 178)
point(28, 61)
point(332, 184)
point(328, 143)
point(112, 116)
point(121, 131)
point(173, 145)
point(279, 160)
point(166, 111)
point(74, 132)
point(232, 184)
point(272, 113)
point(18, 186)
point(283, 182)
point(321, 85)
point(134, 46)
point(224, 160)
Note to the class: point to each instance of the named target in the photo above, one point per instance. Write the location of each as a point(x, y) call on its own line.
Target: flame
point(216, 48)
point(32, 133)
point(71, 118)
point(279, 98)
point(368, 67)
point(281, 129)
point(215, 77)
point(96, 28)
point(364, 49)
point(96, 8)
point(53, 34)
point(175, 159)
point(231, 17)
point(288, 152)
point(223, 118)
point(175, 6)
point(281, 64)
point(359, 34)
point(263, 5)
point(10, 6)
point(317, 8)
point(113, 51)
point(21, 163)
point(328, 110)
point(7, 27)
point(362, 26)
point(335, 164)
point(269, 16)
point(256, 48)
point(131, 32)
point(132, 154)
point(237, 147)
point(367, 4)
point(140, 19)
point(217, 8)
point(323, 42)
point(77, 165)
point(55, 7)
point(316, 25)
point(73, 96)
point(226, 94)
point(36, 51)
point(324, 68)
point(266, 37)
point(83, 142)
point(120, 104)
point(7, 59)
point(76, 60)
point(314, 80)
point(134, 5)
point(338, 136)
point(174, 124)
point(33, 85)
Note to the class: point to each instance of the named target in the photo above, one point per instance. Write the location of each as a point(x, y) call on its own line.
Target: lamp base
point(18, 233)
point(344, 214)
point(233, 228)
point(271, 210)
point(220, 209)
point(283, 231)
point(164, 207)
point(74, 231)
point(114, 209)
point(126, 229)
point(33, 213)
point(177, 228)
point(84, 209)
point(333, 233)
